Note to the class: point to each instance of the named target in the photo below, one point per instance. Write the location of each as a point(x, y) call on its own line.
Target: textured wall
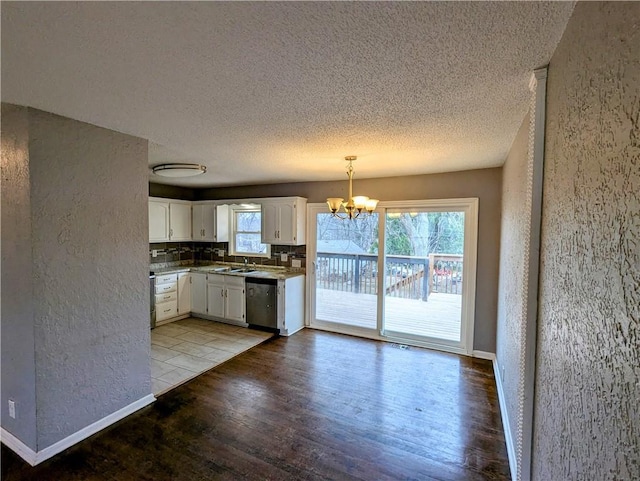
point(18, 359)
point(90, 283)
point(587, 404)
point(512, 295)
point(484, 184)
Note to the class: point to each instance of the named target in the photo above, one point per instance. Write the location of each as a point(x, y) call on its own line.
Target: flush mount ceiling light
point(354, 205)
point(179, 170)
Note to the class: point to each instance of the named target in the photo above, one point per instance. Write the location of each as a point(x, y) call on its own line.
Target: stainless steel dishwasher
point(262, 302)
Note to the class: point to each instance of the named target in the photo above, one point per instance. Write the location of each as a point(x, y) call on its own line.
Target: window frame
point(235, 209)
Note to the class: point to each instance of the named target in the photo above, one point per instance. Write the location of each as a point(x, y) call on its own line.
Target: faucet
point(246, 261)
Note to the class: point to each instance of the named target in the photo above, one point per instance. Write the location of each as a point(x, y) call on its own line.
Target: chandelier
point(354, 205)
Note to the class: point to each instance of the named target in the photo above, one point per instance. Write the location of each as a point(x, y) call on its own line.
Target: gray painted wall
point(89, 240)
point(587, 408)
point(171, 192)
point(484, 184)
point(512, 290)
point(18, 356)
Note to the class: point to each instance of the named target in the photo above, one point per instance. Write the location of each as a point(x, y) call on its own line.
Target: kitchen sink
point(242, 270)
point(219, 269)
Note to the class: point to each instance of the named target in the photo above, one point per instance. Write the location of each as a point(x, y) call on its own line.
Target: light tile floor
point(183, 349)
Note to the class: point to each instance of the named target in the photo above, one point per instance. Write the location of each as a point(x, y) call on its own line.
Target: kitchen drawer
point(169, 296)
point(163, 279)
point(215, 279)
point(164, 288)
point(234, 281)
point(166, 310)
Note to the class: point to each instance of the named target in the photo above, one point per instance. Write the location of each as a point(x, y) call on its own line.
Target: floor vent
point(399, 346)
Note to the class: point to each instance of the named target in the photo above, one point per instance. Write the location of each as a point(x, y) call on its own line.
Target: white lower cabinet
point(173, 297)
point(184, 293)
point(215, 295)
point(166, 297)
point(235, 303)
point(290, 305)
point(226, 297)
point(199, 293)
point(222, 297)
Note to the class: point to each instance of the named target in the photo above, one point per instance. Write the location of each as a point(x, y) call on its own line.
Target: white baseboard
point(506, 425)
point(34, 458)
point(292, 332)
point(484, 355)
point(18, 447)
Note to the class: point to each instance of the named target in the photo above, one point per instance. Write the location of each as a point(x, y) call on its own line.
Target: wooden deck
point(438, 318)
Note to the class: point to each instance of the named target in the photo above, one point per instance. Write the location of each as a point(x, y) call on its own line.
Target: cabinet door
point(166, 310)
point(158, 221)
point(270, 223)
point(179, 221)
point(235, 303)
point(184, 293)
point(198, 293)
point(222, 223)
point(287, 223)
point(215, 296)
point(196, 222)
point(208, 222)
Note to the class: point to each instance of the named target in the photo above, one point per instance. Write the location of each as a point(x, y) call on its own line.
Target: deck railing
point(404, 276)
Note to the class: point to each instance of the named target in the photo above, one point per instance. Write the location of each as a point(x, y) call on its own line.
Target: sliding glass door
point(424, 258)
point(345, 265)
point(405, 273)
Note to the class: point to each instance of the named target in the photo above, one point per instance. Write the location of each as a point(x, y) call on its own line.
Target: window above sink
point(246, 225)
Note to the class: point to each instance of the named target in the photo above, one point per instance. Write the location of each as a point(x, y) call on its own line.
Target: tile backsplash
point(194, 252)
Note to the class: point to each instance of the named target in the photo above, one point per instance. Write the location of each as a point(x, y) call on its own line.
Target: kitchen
point(207, 306)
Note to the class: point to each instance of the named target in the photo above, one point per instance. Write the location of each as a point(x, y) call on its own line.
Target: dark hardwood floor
point(312, 406)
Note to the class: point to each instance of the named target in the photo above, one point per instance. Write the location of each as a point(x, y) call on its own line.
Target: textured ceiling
point(266, 92)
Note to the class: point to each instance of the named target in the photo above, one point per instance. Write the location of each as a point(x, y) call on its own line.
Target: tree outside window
point(246, 239)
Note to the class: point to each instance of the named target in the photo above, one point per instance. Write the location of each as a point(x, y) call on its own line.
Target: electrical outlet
point(283, 257)
point(154, 252)
point(12, 409)
point(220, 252)
point(296, 263)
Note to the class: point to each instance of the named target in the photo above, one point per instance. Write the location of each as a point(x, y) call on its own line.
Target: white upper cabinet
point(158, 220)
point(210, 222)
point(203, 217)
point(169, 220)
point(179, 221)
point(284, 220)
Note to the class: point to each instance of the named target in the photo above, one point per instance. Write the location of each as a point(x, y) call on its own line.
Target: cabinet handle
point(167, 310)
point(170, 232)
point(222, 292)
point(226, 293)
